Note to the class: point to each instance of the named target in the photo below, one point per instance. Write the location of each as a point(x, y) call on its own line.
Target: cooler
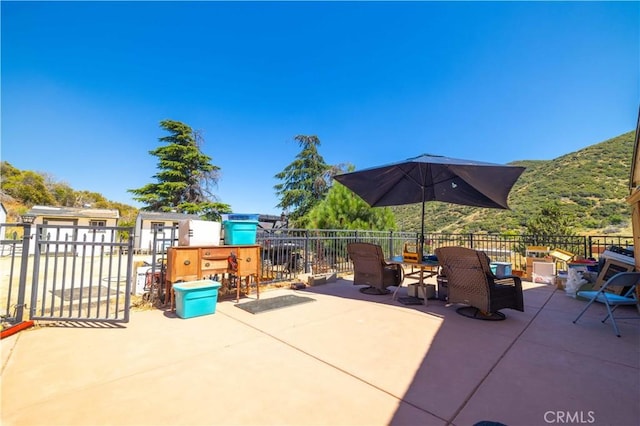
point(500, 269)
point(198, 233)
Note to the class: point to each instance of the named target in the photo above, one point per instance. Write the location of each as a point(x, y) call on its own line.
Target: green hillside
point(590, 184)
point(22, 189)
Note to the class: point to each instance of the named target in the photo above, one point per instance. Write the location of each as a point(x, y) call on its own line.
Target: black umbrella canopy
point(434, 178)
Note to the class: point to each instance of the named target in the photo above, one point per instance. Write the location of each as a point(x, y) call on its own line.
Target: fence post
point(587, 250)
point(22, 284)
point(130, 273)
point(307, 262)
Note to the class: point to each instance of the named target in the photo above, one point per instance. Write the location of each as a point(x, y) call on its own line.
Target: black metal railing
point(285, 254)
point(14, 256)
point(315, 251)
point(288, 252)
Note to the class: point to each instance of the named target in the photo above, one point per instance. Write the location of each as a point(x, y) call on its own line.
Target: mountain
point(590, 185)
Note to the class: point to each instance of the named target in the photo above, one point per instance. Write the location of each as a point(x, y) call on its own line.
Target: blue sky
point(85, 84)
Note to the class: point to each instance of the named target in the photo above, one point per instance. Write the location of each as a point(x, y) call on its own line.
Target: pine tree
point(551, 221)
point(185, 175)
point(305, 180)
point(342, 209)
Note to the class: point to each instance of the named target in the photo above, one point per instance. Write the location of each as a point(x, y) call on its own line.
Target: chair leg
point(613, 320)
point(584, 310)
point(611, 314)
point(393, 296)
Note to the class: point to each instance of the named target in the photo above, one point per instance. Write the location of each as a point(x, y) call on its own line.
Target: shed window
point(157, 225)
point(98, 224)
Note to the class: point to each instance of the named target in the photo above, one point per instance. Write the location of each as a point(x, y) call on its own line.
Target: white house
point(64, 220)
point(147, 221)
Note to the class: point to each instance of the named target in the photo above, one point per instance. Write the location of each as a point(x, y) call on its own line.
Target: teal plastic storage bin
point(243, 216)
point(500, 269)
point(195, 298)
point(240, 232)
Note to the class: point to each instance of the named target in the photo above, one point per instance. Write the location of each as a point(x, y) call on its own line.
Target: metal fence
point(62, 273)
point(83, 276)
point(14, 255)
point(92, 279)
point(318, 251)
point(288, 252)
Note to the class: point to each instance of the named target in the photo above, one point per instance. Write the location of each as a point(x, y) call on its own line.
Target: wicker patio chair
point(471, 282)
point(371, 269)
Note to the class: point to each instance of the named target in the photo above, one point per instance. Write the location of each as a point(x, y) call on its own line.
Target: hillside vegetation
point(22, 189)
point(590, 185)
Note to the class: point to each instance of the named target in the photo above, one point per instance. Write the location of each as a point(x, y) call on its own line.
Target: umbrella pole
point(422, 230)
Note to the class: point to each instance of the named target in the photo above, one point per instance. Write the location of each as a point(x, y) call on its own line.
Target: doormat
point(264, 305)
point(410, 300)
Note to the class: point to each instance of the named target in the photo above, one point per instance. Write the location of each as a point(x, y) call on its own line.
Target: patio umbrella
point(434, 178)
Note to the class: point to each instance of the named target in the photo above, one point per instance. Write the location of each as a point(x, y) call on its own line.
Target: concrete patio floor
point(345, 359)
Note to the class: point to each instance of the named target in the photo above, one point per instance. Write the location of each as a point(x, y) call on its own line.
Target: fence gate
point(14, 260)
point(81, 273)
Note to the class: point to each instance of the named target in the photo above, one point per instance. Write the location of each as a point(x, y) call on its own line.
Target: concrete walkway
point(344, 359)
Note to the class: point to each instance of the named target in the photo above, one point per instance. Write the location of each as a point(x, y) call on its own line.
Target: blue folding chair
point(627, 280)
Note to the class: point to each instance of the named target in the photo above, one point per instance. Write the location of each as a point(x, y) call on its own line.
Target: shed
point(64, 220)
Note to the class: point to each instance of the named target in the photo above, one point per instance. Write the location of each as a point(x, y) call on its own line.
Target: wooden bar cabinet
point(220, 263)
